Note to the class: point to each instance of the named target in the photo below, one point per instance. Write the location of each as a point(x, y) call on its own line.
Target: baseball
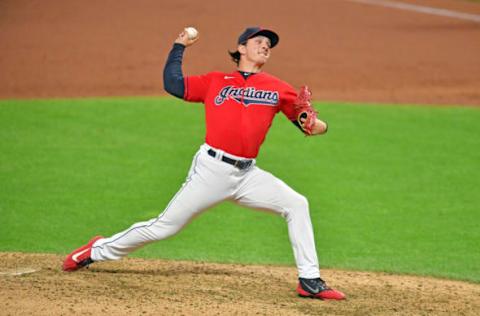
point(191, 32)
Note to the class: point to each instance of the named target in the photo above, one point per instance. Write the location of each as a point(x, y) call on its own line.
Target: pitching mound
point(192, 288)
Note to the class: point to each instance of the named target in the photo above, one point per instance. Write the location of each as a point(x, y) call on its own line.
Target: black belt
point(240, 164)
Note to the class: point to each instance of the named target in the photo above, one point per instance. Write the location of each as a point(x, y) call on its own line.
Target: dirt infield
point(157, 287)
point(345, 51)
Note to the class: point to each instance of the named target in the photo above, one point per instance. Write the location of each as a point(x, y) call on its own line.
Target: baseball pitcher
point(239, 109)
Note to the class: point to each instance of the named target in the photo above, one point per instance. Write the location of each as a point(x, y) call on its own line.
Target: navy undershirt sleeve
point(172, 73)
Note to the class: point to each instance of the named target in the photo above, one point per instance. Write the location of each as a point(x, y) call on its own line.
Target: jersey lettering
point(247, 96)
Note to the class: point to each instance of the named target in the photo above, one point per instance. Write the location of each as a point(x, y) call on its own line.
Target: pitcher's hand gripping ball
point(188, 36)
point(305, 113)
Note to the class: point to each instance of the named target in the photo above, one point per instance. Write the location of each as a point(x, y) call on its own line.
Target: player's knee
point(298, 205)
point(302, 203)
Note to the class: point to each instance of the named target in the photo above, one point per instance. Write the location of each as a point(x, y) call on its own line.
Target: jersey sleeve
point(196, 87)
point(173, 80)
point(287, 98)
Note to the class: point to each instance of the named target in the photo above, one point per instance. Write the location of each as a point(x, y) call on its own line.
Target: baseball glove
point(304, 112)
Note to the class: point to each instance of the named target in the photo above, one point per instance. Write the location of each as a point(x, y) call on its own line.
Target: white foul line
point(422, 9)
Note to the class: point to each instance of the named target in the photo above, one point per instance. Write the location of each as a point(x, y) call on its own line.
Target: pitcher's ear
point(242, 49)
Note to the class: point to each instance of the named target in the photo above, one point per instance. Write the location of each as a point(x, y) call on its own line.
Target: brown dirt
point(345, 51)
point(135, 286)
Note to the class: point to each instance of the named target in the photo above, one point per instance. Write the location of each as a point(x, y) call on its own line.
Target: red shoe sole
point(323, 295)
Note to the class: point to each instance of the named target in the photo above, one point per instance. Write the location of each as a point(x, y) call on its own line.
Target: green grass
point(391, 188)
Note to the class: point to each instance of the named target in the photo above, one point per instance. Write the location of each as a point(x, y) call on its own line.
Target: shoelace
point(313, 284)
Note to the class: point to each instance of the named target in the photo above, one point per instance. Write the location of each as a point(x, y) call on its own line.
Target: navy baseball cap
point(251, 32)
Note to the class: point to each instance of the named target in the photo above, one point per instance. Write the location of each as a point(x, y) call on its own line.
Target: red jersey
point(239, 111)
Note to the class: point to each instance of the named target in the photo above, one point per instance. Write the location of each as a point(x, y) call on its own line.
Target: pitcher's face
point(256, 50)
